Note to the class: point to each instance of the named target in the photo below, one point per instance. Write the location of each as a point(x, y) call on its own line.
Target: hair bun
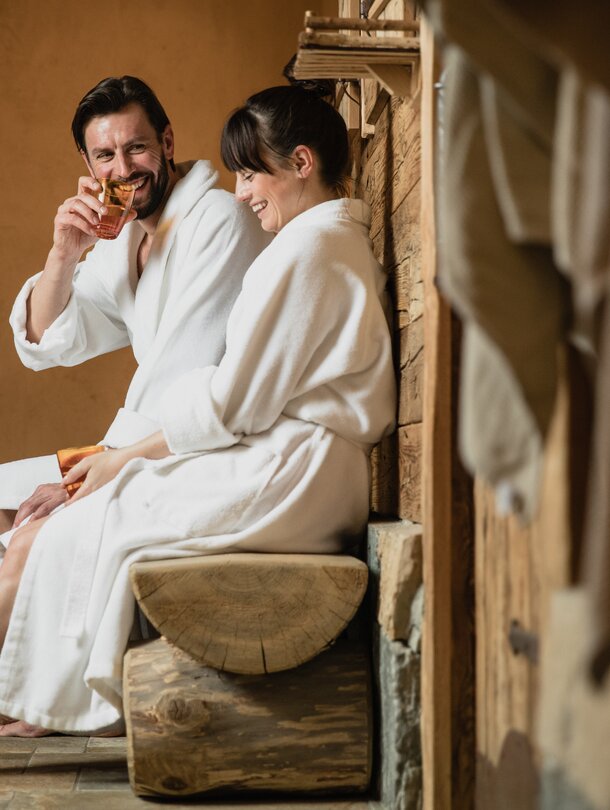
point(320, 88)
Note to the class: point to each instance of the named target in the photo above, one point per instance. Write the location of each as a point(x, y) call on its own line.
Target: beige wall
point(202, 57)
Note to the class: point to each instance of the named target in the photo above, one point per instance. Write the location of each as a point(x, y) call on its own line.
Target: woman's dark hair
point(112, 95)
point(275, 121)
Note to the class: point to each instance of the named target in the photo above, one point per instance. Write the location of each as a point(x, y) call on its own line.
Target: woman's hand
point(100, 468)
point(97, 470)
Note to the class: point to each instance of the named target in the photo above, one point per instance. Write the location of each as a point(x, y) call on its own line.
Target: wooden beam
point(436, 479)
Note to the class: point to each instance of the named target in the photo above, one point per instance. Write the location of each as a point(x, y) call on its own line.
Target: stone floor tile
point(17, 745)
point(67, 759)
point(40, 779)
point(95, 800)
point(6, 796)
point(125, 800)
point(13, 762)
point(60, 744)
point(107, 744)
point(111, 778)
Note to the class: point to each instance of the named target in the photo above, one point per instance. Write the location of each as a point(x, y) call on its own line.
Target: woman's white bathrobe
point(271, 454)
point(175, 318)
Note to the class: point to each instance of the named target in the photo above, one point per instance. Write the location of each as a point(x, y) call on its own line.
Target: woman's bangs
point(239, 146)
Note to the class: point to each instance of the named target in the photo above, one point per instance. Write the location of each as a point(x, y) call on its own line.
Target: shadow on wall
point(513, 783)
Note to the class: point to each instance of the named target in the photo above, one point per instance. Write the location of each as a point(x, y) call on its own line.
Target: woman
point(268, 451)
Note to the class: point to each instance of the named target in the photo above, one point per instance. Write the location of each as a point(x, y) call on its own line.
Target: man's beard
point(157, 188)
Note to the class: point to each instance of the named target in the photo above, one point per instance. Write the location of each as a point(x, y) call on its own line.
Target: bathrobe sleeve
point(299, 324)
point(90, 324)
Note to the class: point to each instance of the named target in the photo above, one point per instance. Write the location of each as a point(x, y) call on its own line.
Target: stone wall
point(396, 592)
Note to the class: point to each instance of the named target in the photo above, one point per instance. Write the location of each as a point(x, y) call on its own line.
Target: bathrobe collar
point(344, 209)
point(196, 178)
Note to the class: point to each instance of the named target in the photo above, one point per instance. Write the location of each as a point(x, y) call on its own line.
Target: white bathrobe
point(175, 318)
point(271, 454)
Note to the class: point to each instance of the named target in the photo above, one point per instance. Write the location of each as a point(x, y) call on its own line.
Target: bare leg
point(7, 516)
point(12, 569)
point(10, 575)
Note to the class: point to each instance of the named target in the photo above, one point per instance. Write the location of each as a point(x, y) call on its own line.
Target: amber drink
point(118, 198)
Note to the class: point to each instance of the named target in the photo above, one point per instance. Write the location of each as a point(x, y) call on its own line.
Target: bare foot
point(19, 728)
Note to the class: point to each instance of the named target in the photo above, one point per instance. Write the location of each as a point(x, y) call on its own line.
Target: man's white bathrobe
point(271, 453)
point(175, 318)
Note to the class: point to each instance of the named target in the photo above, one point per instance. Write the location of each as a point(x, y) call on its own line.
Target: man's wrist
point(61, 261)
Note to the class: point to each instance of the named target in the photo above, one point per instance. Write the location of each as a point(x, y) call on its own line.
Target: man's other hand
point(41, 503)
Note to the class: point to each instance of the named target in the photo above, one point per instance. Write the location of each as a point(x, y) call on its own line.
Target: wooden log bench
point(249, 687)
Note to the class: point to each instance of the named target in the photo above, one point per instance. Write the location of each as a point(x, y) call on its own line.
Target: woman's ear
point(304, 160)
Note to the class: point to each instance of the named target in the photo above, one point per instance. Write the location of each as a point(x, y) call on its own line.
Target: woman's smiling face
point(275, 198)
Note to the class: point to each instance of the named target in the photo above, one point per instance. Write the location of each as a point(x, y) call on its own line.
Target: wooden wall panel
point(389, 182)
point(517, 569)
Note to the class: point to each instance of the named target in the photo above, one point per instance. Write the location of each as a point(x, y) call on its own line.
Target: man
point(166, 285)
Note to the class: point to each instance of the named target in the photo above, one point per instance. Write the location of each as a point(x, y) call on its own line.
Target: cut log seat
point(192, 729)
point(251, 613)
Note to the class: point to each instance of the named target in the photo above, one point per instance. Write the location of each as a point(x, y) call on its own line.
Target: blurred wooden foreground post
point(207, 707)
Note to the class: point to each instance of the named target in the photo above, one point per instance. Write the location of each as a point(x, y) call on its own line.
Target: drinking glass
point(117, 196)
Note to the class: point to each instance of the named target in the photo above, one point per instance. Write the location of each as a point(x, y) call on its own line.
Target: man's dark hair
point(111, 95)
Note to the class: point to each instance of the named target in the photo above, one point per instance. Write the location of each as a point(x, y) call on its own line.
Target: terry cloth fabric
point(174, 317)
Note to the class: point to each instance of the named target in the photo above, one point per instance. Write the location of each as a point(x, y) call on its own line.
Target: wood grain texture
point(389, 182)
point(410, 472)
point(410, 405)
point(437, 438)
point(193, 729)
point(384, 477)
point(251, 613)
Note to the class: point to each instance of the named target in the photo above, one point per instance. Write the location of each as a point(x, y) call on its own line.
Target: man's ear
point(85, 157)
point(167, 142)
point(304, 160)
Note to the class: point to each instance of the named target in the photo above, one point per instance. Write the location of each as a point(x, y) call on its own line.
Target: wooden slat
point(356, 24)
point(350, 42)
point(378, 8)
point(376, 102)
point(354, 59)
point(349, 107)
point(436, 481)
